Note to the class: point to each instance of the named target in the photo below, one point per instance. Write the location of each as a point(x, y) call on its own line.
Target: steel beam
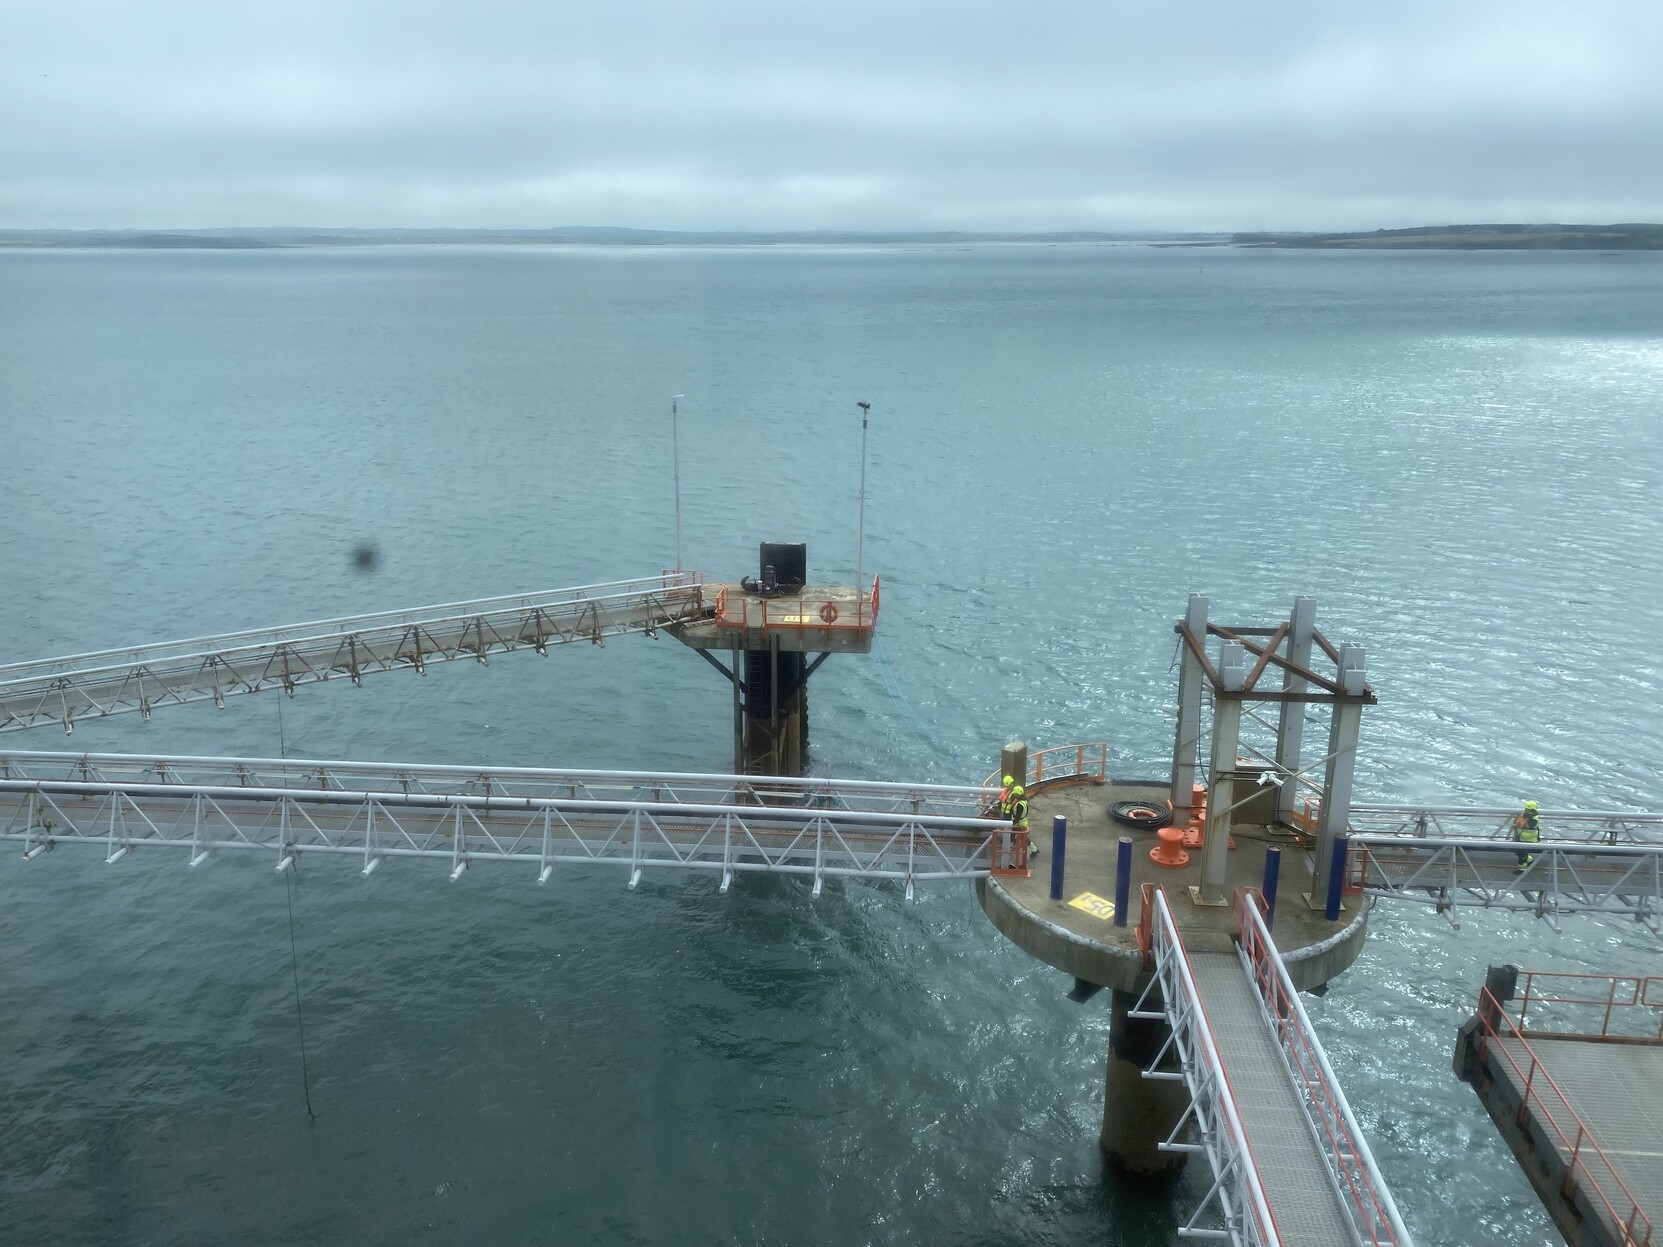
point(1186, 744)
point(1290, 728)
point(1342, 765)
point(1232, 670)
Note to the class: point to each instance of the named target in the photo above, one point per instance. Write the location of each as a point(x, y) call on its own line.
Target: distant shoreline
point(1635, 236)
point(1491, 237)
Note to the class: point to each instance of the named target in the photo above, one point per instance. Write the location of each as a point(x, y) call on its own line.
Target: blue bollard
point(1059, 847)
point(1122, 880)
point(1336, 877)
point(1273, 871)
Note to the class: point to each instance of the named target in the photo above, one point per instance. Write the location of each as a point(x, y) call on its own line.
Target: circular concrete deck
point(1077, 940)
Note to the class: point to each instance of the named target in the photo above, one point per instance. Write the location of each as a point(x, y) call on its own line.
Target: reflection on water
point(1453, 453)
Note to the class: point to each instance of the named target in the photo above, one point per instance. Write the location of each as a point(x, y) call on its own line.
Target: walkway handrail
point(1351, 1168)
point(1088, 762)
point(505, 781)
point(1236, 1176)
point(1488, 822)
point(1636, 1226)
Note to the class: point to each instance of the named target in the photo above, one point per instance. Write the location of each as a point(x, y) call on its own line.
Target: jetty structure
point(1204, 901)
point(775, 632)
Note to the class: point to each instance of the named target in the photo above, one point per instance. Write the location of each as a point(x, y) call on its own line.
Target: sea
point(1458, 455)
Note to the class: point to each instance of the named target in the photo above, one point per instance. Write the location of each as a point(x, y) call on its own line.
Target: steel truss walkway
point(370, 813)
point(62, 690)
point(1561, 877)
point(1290, 1164)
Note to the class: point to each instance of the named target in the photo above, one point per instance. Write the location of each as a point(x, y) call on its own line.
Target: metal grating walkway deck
point(1616, 1089)
point(1295, 1178)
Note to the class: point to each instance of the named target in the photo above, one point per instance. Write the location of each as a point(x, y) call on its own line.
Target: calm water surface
point(1458, 455)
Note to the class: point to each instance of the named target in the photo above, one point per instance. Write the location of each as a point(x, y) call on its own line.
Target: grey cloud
point(746, 115)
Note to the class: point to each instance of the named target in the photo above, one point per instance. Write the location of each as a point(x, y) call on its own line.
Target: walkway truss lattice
point(106, 682)
point(1241, 1201)
point(1588, 862)
point(463, 816)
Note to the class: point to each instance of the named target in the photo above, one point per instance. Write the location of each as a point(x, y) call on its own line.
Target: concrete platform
point(1083, 941)
point(1612, 1088)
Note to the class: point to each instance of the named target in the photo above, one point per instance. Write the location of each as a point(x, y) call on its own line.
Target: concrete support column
point(1290, 728)
point(1013, 761)
point(1232, 672)
point(1342, 765)
point(1185, 745)
point(1139, 1113)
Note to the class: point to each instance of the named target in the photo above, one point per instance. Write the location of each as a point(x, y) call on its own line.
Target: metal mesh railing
point(1237, 1188)
point(1363, 1193)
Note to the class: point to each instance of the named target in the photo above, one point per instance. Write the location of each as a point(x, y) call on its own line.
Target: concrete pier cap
point(1078, 935)
point(1202, 843)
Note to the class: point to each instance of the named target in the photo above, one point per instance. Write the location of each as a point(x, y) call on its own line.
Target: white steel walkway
point(370, 813)
point(1290, 1165)
point(1299, 1194)
point(105, 682)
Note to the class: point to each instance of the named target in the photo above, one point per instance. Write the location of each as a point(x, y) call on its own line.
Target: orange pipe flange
point(1168, 852)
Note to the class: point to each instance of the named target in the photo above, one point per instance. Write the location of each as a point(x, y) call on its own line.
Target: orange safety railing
point(1621, 991)
point(819, 613)
point(1146, 923)
point(1351, 1165)
point(1357, 860)
point(1555, 1116)
point(1309, 814)
point(1062, 764)
point(1009, 854)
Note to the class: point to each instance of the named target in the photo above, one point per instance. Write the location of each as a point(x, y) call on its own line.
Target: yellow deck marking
point(1094, 905)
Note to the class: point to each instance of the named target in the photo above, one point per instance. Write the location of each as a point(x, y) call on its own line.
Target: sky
point(860, 114)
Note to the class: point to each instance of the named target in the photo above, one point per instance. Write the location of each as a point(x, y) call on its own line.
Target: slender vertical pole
point(675, 453)
point(860, 527)
point(1122, 880)
point(1059, 850)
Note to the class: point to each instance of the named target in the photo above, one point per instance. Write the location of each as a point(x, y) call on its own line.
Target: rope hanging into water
point(289, 887)
point(291, 881)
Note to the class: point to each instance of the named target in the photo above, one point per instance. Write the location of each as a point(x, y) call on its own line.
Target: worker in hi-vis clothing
point(1018, 814)
point(1527, 829)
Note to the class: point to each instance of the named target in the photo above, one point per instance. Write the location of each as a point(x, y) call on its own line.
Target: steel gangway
point(370, 813)
point(1607, 862)
point(143, 678)
point(1290, 1165)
